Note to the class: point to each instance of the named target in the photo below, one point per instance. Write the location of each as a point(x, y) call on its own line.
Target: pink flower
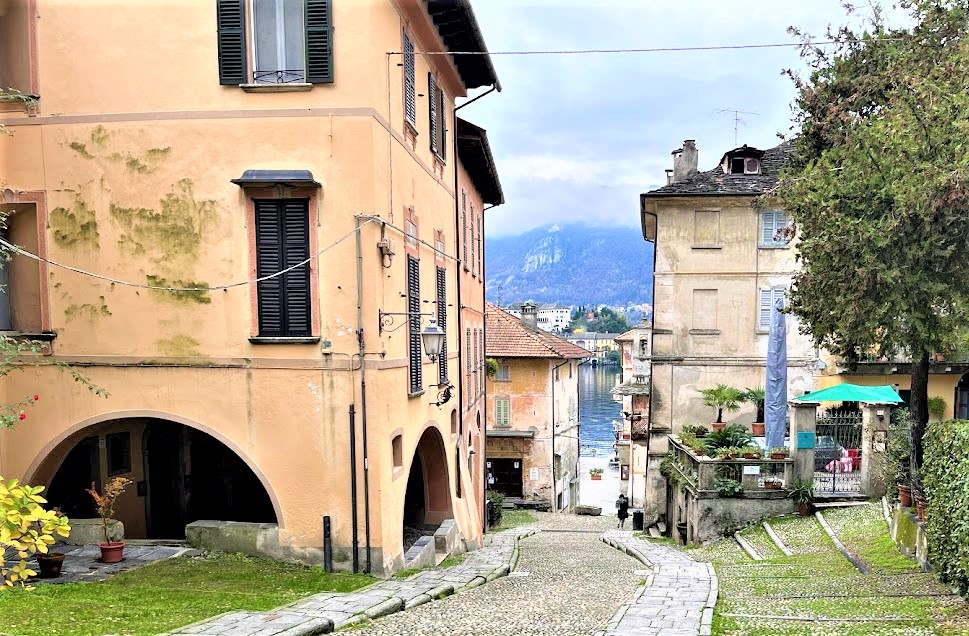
point(36, 397)
point(23, 415)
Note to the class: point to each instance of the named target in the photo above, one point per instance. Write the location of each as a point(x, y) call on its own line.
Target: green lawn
point(164, 595)
point(514, 518)
point(818, 581)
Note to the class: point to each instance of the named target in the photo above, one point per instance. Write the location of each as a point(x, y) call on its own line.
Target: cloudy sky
point(578, 137)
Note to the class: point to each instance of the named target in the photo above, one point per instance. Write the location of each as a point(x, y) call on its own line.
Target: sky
point(577, 138)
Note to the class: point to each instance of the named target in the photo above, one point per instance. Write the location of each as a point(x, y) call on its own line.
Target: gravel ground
point(575, 584)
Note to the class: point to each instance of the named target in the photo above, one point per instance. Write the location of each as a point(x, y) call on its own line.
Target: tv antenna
point(738, 121)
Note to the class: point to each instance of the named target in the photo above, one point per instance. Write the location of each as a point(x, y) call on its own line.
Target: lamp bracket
point(386, 318)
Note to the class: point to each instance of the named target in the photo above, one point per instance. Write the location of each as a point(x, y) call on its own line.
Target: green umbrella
point(853, 393)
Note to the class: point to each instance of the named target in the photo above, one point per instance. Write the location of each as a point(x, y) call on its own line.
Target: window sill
point(265, 340)
point(42, 336)
point(773, 247)
point(704, 332)
point(294, 87)
point(708, 247)
point(411, 127)
point(416, 394)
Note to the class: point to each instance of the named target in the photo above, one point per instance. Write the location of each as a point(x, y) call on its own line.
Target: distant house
point(533, 402)
point(596, 343)
point(632, 388)
point(551, 317)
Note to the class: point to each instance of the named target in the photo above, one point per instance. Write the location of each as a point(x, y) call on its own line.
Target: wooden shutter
point(296, 283)
point(282, 241)
point(231, 22)
point(471, 223)
point(410, 84)
point(474, 373)
point(432, 107)
point(414, 324)
point(502, 408)
point(467, 358)
point(766, 298)
point(442, 321)
point(464, 226)
point(442, 124)
point(319, 42)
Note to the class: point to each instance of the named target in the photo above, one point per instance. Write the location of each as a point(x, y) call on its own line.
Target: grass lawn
point(514, 518)
point(165, 595)
point(818, 581)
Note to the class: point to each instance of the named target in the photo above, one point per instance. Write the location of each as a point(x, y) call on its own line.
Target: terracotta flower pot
point(905, 495)
point(112, 552)
point(758, 429)
point(701, 432)
point(751, 456)
point(920, 508)
point(804, 509)
point(718, 426)
point(596, 477)
point(50, 564)
point(778, 456)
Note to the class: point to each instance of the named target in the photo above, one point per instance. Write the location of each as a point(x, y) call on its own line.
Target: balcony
point(763, 478)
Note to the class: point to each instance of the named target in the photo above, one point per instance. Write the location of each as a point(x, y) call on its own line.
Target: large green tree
point(879, 188)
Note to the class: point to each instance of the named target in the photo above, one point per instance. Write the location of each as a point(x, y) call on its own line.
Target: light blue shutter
point(766, 299)
point(768, 227)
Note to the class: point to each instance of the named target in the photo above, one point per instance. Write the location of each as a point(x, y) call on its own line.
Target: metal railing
point(700, 472)
point(280, 76)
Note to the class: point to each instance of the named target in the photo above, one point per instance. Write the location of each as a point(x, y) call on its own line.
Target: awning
point(270, 178)
point(853, 393)
point(512, 432)
point(631, 388)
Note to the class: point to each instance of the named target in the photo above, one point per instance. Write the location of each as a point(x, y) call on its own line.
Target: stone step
point(655, 533)
point(662, 526)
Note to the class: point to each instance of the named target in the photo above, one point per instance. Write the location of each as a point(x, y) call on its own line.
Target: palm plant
point(723, 398)
point(757, 397)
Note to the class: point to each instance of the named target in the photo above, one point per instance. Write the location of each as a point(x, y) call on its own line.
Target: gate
point(837, 453)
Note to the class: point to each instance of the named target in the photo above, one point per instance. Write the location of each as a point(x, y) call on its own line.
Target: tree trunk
point(919, 403)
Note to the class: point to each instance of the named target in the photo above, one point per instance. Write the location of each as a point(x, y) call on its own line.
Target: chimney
point(685, 161)
point(530, 316)
point(669, 176)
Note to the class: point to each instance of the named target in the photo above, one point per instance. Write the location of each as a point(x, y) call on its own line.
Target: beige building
point(632, 389)
point(533, 399)
point(298, 153)
point(721, 260)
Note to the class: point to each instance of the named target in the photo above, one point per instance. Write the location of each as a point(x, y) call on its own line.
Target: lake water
point(597, 409)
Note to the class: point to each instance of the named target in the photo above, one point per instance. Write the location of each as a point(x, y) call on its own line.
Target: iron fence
point(837, 453)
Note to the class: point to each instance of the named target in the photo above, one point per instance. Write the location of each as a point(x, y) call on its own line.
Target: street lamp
point(433, 338)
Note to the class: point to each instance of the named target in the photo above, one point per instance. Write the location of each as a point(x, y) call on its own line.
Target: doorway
point(505, 476)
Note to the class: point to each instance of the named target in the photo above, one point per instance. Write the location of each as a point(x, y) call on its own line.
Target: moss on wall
point(186, 296)
point(88, 310)
point(75, 227)
point(80, 149)
point(179, 346)
point(99, 135)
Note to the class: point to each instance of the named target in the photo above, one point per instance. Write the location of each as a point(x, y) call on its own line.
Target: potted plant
point(697, 430)
point(728, 487)
point(802, 492)
point(733, 435)
point(752, 452)
point(595, 473)
point(111, 551)
point(772, 483)
point(778, 452)
point(937, 407)
point(722, 398)
point(905, 495)
point(757, 397)
point(729, 452)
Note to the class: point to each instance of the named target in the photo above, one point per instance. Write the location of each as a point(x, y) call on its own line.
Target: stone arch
point(51, 459)
point(427, 500)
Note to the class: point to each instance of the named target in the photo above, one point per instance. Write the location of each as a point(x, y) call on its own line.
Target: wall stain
point(88, 310)
point(99, 135)
point(179, 346)
point(80, 149)
point(143, 164)
point(77, 226)
point(192, 296)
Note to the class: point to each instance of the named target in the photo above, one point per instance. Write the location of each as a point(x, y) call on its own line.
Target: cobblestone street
point(567, 582)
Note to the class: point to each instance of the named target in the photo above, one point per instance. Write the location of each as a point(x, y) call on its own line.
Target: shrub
point(945, 483)
point(730, 436)
point(937, 407)
point(728, 487)
point(25, 529)
point(596, 471)
point(495, 500)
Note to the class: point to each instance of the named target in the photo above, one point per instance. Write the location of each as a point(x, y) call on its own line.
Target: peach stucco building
point(265, 136)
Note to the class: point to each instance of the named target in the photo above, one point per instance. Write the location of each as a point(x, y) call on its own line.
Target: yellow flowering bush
point(26, 528)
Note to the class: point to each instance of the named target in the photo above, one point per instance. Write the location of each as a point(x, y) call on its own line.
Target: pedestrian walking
point(622, 509)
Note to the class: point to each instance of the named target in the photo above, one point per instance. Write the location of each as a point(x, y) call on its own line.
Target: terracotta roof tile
point(507, 337)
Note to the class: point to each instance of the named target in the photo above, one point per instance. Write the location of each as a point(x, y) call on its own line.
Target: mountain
point(570, 264)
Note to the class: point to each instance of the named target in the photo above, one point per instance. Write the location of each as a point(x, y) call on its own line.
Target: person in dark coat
point(622, 509)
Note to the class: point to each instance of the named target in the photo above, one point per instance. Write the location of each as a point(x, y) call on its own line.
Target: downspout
point(363, 393)
point(484, 335)
point(554, 494)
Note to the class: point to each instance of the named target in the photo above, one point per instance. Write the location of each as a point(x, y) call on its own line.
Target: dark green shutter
point(442, 321)
point(432, 108)
point(415, 368)
point(231, 23)
point(442, 124)
point(319, 42)
point(282, 241)
point(410, 82)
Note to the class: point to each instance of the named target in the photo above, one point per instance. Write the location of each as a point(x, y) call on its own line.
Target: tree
point(723, 398)
point(878, 186)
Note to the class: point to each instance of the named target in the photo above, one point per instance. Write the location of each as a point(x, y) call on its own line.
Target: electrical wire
point(19, 250)
point(662, 49)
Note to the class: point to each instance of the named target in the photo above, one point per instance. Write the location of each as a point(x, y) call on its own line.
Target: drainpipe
point(353, 487)
point(554, 494)
point(484, 335)
point(363, 395)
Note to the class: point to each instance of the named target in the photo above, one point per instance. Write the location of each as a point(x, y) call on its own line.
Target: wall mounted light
point(432, 337)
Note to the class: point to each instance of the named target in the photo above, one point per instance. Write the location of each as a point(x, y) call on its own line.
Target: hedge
point(945, 482)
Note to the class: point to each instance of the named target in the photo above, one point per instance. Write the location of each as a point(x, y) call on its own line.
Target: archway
point(180, 473)
point(427, 501)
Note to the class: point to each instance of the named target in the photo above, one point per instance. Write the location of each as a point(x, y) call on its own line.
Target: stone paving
point(678, 598)
point(325, 612)
point(83, 563)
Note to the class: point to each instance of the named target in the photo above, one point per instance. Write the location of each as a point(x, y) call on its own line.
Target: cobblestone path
point(568, 582)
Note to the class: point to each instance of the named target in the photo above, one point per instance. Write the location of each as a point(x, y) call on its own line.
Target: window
point(397, 446)
point(474, 372)
point(767, 299)
point(119, 453)
point(415, 368)
point(706, 228)
point(17, 29)
point(480, 248)
point(457, 471)
point(502, 411)
point(410, 228)
point(442, 322)
point(20, 278)
point(454, 421)
point(774, 229)
point(474, 263)
point(504, 373)
point(467, 358)
point(283, 241)
point(481, 362)
point(410, 83)
point(464, 227)
point(570, 370)
point(437, 107)
point(291, 41)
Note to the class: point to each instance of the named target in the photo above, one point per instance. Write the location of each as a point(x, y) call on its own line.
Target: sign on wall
point(533, 474)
